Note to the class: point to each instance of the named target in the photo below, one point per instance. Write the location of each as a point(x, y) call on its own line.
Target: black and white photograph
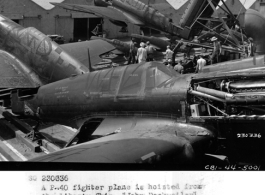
point(175, 85)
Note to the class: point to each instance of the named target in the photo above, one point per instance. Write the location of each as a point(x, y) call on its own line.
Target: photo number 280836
point(54, 178)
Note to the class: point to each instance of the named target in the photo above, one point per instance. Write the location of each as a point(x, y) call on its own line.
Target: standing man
point(216, 50)
point(141, 53)
point(195, 40)
point(245, 49)
point(185, 58)
point(251, 47)
point(132, 52)
point(150, 52)
point(178, 67)
point(169, 54)
point(200, 64)
point(175, 50)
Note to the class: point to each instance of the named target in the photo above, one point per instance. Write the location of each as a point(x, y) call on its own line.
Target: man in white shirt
point(200, 64)
point(141, 53)
point(169, 54)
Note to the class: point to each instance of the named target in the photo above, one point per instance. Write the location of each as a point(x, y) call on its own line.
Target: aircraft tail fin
point(196, 9)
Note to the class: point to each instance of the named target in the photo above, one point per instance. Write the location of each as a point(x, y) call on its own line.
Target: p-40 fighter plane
point(149, 113)
point(120, 12)
point(31, 61)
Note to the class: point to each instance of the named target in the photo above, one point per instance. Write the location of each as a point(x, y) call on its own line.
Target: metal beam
point(227, 28)
point(199, 16)
point(219, 34)
point(229, 11)
point(209, 31)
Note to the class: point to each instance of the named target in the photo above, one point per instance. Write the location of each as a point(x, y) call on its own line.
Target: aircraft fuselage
point(149, 87)
point(151, 17)
point(37, 52)
point(162, 44)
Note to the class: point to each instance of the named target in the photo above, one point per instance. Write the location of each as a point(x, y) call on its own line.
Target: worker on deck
point(200, 64)
point(196, 40)
point(132, 53)
point(245, 55)
point(141, 53)
point(217, 49)
point(150, 52)
point(178, 67)
point(251, 47)
point(168, 55)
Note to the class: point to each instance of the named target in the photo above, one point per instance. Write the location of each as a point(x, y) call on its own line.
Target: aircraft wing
point(115, 51)
point(13, 73)
point(96, 49)
point(105, 12)
point(163, 143)
point(127, 147)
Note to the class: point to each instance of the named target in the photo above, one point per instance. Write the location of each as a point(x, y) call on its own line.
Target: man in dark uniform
point(251, 47)
point(150, 52)
point(132, 53)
